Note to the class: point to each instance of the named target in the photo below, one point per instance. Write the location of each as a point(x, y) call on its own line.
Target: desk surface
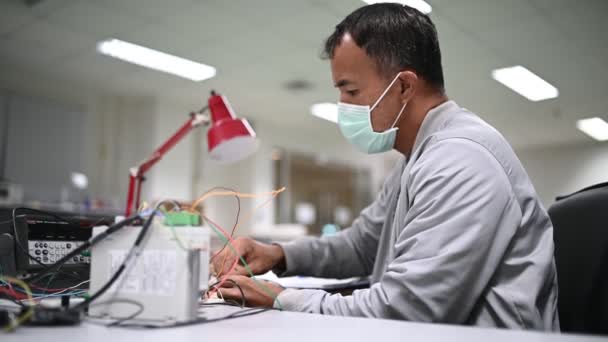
point(281, 326)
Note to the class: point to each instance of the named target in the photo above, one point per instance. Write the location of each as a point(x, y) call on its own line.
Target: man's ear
point(409, 84)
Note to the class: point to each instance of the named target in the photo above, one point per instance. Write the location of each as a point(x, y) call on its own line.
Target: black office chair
point(580, 223)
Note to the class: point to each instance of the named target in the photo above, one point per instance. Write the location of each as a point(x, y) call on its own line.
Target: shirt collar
point(434, 121)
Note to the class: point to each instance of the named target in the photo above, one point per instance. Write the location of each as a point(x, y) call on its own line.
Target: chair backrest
point(580, 223)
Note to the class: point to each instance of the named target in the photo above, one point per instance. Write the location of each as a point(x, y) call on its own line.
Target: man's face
point(357, 77)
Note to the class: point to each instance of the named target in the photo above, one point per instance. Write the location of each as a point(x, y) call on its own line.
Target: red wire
point(12, 293)
point(236, 259)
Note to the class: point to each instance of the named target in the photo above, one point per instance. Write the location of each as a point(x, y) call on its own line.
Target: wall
point(562, 170)
point(117, 131)
point(120, 131)
point(256, 173)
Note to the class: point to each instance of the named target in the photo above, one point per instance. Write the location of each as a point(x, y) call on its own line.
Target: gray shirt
point(456, 235)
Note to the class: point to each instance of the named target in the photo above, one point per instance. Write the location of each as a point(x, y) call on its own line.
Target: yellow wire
point(232, 193)
point(265, 203)
point(272, 194)
point(11, 326)
point(202, 198)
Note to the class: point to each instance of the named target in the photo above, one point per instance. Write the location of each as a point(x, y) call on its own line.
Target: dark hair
point(396, 37)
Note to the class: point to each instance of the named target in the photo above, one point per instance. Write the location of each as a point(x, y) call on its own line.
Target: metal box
point(165, 278)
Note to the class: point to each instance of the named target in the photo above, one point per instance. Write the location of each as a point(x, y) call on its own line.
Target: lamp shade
point(229, 139)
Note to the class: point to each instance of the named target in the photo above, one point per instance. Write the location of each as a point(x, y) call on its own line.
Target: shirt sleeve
point(351, 252)
point(462, 217)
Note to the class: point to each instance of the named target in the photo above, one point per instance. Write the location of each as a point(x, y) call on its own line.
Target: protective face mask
point(355, 123)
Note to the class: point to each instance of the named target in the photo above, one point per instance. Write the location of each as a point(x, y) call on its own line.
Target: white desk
point(286, 327)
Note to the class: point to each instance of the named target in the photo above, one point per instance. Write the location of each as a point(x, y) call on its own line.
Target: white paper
point(153, 272)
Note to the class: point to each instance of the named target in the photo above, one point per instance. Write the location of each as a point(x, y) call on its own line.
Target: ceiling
point(259, 46)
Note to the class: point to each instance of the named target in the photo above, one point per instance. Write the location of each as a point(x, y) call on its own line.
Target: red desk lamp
point(229, 140)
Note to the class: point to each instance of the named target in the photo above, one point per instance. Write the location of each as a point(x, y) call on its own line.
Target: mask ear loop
point(398, 116)
point(385, 91)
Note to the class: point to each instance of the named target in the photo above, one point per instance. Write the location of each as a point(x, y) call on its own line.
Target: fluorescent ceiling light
point(420, 5)
point(157, 60)
point(594, 127)
point(327, 111)
point(525, 83)
point(79, 180)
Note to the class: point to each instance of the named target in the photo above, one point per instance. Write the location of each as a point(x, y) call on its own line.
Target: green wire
point(260, 284)
point(174, 233)
point(177, 239)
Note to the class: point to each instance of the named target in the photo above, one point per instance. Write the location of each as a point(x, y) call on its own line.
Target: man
point(457, 233)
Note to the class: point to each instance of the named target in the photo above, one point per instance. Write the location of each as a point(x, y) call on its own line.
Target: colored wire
point(16, 232)
point(51, 289)
point(265, 203)
point(176, 207)
point(65, 290)
point(41, 212)
point(227, 240)
point(119, 321)
point(224, 236)
point(273, 194)
point(212, 193)
point(24, 317)
point(62, 292)
point(236, 222)
point(178, 239)
point(38, 296)
point(243, 299)
point(133, 253)
point(230, 193)
point(88, 244)
point(221, 296)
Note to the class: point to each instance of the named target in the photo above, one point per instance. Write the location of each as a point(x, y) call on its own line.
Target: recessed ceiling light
point(154, 59)
point(327, 111)
point(596, 128)
point(420, 5)
point(525, 83)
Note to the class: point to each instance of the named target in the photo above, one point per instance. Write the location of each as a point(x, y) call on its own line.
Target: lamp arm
point(136, 173)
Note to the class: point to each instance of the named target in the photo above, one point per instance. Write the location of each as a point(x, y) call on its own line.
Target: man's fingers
point(230, 293)
point(230, 281)
point(240, 270)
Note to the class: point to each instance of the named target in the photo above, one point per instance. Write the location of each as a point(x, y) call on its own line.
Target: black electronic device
point(8, 265)
point(40, 240)
point(49, 240)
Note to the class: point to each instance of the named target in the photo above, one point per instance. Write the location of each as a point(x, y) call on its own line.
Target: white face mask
point(355, 123)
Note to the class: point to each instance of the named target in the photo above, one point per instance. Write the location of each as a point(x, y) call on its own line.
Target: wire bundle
point(21, 291)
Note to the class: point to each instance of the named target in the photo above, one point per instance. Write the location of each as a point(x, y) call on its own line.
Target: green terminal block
point(182, 218)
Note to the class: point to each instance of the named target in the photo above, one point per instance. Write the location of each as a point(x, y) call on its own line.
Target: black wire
point(243, 300)
point(90, 243)
point(51, 278)
point(13, 300)
point(46, 213)
point(75, 275)
point(16, 233)
point(121, 300)
point(121, 268)
point(225, 303)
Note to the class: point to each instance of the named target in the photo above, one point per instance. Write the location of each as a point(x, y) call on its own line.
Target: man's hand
point(258, 293)
point(260, 257)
